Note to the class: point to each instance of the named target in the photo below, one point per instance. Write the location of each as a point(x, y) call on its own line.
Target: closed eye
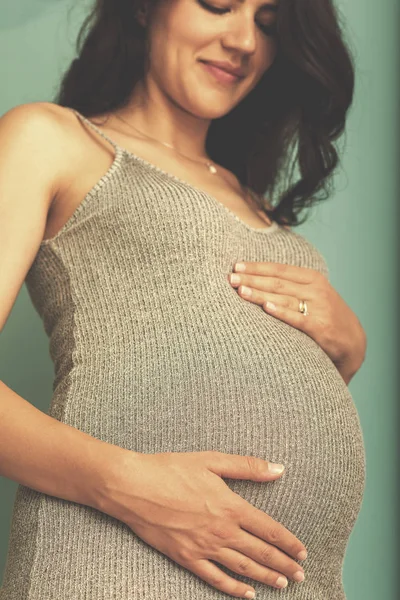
point(267, 29)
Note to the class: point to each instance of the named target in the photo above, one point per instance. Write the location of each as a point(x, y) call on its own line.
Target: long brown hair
point(288, 121)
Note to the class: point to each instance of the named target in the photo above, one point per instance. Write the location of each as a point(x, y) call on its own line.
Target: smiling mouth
point(221, 75)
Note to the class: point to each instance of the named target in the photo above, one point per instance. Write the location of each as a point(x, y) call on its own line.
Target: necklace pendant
point(211, 168)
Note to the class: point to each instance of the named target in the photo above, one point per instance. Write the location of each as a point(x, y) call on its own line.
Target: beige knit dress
point(155, 351)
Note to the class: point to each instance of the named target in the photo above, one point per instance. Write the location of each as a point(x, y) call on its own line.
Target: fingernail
point(240, 266)
point(275, 468)
point(302, 555)
point(298, 576)
point(282, 581)
point(246, 291)
point(250, 594)
point(271, 305)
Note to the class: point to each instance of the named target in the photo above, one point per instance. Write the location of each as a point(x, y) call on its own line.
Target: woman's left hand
point(330, 322)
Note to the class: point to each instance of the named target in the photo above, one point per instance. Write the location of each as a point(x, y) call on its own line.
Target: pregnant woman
point(126, 205)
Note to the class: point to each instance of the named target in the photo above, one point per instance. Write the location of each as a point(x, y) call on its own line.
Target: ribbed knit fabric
point(155, 351)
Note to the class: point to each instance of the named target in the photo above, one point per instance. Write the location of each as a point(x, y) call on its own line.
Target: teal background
point(356, 231)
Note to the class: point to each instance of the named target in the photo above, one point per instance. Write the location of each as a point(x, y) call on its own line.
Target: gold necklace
point(211, 167)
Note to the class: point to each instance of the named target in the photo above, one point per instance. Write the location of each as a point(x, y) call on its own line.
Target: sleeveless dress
point(155, 351)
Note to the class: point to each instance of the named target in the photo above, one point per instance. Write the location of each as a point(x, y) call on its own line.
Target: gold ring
point(303, 307)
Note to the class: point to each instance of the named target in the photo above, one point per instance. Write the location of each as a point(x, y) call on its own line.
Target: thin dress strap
point(117, 148)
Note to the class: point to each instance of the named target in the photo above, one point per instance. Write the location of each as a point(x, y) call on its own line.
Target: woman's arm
point(349, 366)
point(54, 458)
point(36, 450)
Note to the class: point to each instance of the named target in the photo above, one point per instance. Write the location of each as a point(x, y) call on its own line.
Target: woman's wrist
point(116, 465)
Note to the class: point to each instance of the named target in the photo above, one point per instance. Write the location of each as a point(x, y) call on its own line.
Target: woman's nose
point(241, 36)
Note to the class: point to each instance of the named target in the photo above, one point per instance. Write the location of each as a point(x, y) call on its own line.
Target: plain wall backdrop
point(356, 230)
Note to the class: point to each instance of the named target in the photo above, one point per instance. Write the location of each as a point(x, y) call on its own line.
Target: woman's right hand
point(178, 503)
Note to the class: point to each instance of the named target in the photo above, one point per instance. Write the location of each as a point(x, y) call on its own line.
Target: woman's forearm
point(52, 457)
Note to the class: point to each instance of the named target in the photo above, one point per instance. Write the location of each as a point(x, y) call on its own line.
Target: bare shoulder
point(42, 122)
point(32, 140)
point(41, 130)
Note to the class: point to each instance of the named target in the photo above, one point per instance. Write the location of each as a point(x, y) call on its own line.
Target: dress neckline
point(121, 150)
point(269, 228)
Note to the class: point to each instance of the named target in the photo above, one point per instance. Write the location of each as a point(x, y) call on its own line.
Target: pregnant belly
point(249, 386)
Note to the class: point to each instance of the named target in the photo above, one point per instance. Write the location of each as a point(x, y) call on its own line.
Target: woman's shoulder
point(50, 118)
point(42, 129)
point(46, 128)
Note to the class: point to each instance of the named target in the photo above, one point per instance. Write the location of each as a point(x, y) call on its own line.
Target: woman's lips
point(220, 74)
